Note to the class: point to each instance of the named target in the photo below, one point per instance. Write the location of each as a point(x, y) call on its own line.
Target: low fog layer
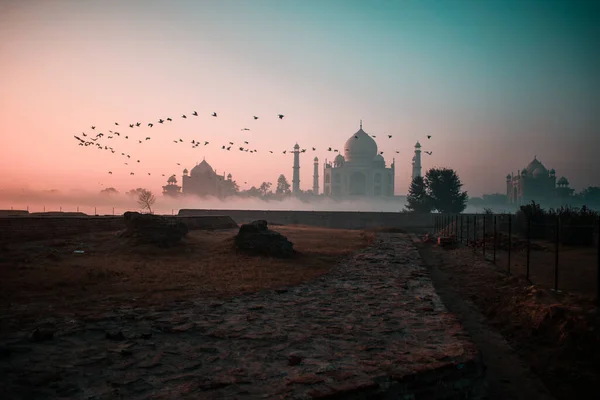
point(103, 204)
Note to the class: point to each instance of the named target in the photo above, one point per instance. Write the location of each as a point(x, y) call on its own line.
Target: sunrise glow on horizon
point(494, 83)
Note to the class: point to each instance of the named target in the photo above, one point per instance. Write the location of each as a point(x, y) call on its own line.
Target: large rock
point(153, 229)
point(257, 238)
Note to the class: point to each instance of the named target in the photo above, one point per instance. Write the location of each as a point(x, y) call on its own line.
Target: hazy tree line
point(440, 190)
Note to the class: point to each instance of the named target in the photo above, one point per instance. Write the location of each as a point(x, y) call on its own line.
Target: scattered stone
point(116, 336)
point(42, 334)
point(153, 229)
point(294, 359)
point(257, 238)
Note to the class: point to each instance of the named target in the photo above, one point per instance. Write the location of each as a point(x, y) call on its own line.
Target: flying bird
point(428, 136)
point(169, 119)
point(116, 123)
point(389, 136)
point(138, 124)
point(183, 116)
point(245, 129)
point(131, 125)
point(214, 114)
point(160, 121)
point(280, 116)
point(195, 114)
point(150, 124)
point(93, 127)
point(255, 117)
point(428, 152)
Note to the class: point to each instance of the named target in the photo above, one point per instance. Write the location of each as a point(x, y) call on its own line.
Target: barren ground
point(49, 277)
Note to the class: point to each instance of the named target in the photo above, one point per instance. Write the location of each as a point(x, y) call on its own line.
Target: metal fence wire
point(557, 251)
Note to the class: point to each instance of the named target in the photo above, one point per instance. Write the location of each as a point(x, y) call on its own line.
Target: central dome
point(360, 147)
point(202, 168)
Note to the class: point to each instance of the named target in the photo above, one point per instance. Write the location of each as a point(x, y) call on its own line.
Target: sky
point(494, 83)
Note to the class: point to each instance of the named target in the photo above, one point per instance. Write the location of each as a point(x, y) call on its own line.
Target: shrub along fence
point(558, 249)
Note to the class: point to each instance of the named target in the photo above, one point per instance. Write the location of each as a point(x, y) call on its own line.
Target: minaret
point(416, 170)
point(296, 175)
point(316, 176)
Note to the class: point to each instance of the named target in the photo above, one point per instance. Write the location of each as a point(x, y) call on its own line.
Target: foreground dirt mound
point(257, 238)
point(153, 229)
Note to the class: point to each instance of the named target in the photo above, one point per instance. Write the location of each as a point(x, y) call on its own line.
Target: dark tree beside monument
point(283, 186)
point(418, 200)
point(444, 190)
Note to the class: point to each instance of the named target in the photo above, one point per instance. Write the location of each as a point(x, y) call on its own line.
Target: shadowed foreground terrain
point(556, 334)
point(52, 276)
point(371, 327)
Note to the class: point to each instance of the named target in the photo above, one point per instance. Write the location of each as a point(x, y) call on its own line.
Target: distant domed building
point(361, 171)
point(203, 180)
point(535, 183)
point(172, 188)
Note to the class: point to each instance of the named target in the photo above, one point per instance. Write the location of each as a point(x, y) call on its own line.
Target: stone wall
point(327, 219)
point(30, 227)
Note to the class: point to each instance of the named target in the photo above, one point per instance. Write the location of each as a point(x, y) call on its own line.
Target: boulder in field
point(257, 238)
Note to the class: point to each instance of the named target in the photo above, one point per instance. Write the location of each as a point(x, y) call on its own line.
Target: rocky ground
point(371, 328)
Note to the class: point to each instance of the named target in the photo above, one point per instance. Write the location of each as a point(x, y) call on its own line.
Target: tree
point(417, 200)
point(109, 191)
point(443, 188)
point(146, 200)
point(134, 192)
point(283, 187)
point(265, 188)
point(590, 195)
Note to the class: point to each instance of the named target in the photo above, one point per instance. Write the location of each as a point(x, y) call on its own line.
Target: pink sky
point(68, 65)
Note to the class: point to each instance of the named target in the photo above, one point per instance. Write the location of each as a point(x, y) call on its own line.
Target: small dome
point(172, 179)
point(360, 147)
point(540, 172)
point(379, 160)
point(418, 145)
point(562, 181)
point(296, 146)
point(202, 168)
point(508, 177)
point(185, 171)
point(317, 158)
point(552, 171)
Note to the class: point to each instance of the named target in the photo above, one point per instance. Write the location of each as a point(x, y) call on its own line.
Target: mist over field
point(103, 204)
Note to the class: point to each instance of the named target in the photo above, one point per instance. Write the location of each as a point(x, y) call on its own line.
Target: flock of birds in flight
point(94, 140)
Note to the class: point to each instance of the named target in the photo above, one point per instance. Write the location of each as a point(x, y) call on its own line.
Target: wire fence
point(555, 251)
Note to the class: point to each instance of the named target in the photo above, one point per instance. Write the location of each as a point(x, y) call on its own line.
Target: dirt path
point(506, 375)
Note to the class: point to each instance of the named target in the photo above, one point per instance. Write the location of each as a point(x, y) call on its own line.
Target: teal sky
point(494, 83)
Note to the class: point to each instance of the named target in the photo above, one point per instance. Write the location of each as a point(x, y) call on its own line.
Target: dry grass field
point(52, 277)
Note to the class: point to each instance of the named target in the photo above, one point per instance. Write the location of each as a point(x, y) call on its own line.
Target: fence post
point(456, 227)
point(528, 244)
point(475, 233)
point(60, 208)
point(461, 229)
point(44, 208)
point(557, 245)
point(598, 267)
point(113, 211)
point(27, 208)
point(77, 208)
point(467, 231)
point(484, 218)
point(509, 239)
point(495, 239)
point(95, 213)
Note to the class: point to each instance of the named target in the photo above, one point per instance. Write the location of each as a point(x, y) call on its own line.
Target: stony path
point(367, 327)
